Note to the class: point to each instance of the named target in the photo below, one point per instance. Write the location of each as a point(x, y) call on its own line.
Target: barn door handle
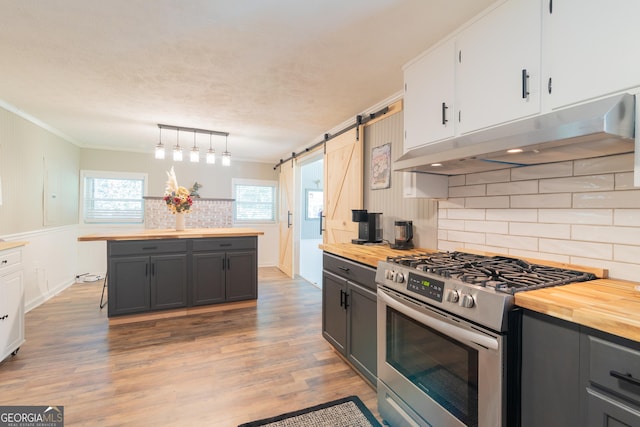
point(289, 213)
point(321, 216)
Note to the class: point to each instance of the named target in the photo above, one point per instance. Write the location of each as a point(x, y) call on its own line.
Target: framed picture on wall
point(381, 167)
point(313, 203)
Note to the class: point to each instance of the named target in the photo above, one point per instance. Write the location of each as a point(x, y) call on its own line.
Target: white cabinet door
point(494, 54)
point(11, 313)
point(590, 49)
point(429, 97)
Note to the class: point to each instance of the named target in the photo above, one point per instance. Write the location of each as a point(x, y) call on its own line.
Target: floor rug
point(346, 412)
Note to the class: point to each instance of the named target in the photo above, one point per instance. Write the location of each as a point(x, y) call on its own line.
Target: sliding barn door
point(285, 259)
point(343, 177)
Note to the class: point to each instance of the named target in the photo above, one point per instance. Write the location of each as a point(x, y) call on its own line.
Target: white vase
point(179, 221)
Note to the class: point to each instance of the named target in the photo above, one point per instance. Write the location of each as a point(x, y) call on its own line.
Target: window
point(113, 197)
point(255, 201)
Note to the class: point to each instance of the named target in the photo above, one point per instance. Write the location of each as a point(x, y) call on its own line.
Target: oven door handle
point(460, 334)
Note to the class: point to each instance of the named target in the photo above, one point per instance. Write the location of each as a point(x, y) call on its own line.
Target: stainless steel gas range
point(448, 337)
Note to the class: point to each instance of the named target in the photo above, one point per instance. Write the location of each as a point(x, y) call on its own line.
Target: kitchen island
point(151, 270)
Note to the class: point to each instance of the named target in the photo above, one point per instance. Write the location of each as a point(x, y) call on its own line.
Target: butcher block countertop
point(189, 233)
point(608, 305)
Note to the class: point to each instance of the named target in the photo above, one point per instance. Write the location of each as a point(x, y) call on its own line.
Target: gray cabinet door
point(241, 275)
point(550, 372)
point(208, 278)
point(129, 285)
point(334, 314)
point(362, 330)
point(168, 281)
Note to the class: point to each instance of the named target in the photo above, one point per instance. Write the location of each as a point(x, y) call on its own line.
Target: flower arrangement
point(178, 199)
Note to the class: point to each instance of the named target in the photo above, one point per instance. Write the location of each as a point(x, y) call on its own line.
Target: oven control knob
point(453, 296)
point(388, 274)
point(399, 277)
point(466, 300)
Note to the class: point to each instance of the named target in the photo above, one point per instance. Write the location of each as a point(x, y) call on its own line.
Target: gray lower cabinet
point(349, 312)
point(576, 376)
point(224, 269)
point(172, 273)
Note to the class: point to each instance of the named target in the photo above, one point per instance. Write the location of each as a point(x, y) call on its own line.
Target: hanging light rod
point(195, 130)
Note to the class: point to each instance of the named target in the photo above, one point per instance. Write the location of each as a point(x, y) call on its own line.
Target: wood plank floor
point(209, 369)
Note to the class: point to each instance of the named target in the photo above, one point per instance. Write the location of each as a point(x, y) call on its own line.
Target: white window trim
point(110, 174)
point(257, 182)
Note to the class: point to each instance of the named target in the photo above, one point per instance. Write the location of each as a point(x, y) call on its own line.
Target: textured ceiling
point(275, 74)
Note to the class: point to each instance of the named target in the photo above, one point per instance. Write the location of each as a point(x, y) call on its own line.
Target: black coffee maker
point(403, 231)
point(369, 226)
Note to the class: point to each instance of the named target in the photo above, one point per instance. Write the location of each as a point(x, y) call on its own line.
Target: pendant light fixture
point(194, 156)
point(177, 151)
point(211, 154)
point(160, 148)
point(226, 156)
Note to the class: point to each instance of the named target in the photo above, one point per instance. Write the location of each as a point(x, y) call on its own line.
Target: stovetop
point(474, 287)
point(504, 274)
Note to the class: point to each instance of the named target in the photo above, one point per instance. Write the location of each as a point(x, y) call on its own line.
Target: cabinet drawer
point(361, 274)
point(9, 259)
point(145, 247)
point(225, 243)
point(615, 368)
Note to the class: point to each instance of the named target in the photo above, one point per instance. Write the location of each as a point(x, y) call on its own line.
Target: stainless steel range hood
point(599, 128)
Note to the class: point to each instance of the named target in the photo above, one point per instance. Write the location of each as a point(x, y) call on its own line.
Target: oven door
point(435, 369)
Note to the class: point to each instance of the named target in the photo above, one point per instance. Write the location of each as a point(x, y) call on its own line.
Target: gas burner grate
point(504, 274)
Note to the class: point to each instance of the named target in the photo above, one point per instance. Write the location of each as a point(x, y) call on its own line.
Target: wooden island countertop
point(608, 305)
point(189, 233)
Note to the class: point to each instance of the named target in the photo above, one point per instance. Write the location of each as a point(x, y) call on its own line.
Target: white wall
point(584, 212)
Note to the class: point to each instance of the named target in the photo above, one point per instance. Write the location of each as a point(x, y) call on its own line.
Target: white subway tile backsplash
point(451, 203)
point(626, 217)
point(469, 190)
point(487, 202)
point(576, 216)
point(577, 248)
point(464, 236)
point(451, 224)
point(523, 215)
point(624, 181)
point(608, 164)
point(561, 200)
point(539, 256)
point(513, 242)
point(477, 214)
point(626, 253)
point(584, 212)
point(558, 231)
point(607, 199)
point(577, 184)
point(617, 270)
point(516, 187)
point(501, 175)
point(496, 227)
point(542, 171)
point(594, 233)
point(456, 180)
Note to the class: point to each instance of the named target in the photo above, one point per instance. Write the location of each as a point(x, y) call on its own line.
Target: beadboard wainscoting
point(583, 212)
point(204, 213)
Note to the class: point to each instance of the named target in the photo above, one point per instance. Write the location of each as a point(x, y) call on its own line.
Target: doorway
point(310, 190)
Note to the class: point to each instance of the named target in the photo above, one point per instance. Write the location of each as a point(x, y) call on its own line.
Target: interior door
point(343, 169)
point(285, 259)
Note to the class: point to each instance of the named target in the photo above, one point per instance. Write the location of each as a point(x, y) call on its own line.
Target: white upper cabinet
point(429, 97)
point(498, 69)
point(589, 49)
